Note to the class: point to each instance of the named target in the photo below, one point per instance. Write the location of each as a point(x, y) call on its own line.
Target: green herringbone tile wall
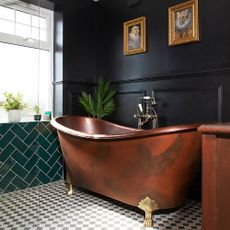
point(30, 155)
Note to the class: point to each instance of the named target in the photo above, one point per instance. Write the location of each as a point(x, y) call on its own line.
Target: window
point(26, 53)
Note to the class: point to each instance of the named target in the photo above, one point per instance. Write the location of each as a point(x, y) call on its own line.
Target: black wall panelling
point(191, 98)
point(72, 91)
point(93, 48)
point(189, 105)
point(133, 2)
point(126, 106)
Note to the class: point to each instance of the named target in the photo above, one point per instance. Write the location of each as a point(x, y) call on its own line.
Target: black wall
point(75, 53)
point(190, 81)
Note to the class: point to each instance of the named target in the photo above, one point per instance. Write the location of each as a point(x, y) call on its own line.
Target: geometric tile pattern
point(30, 155)
point(49, 207)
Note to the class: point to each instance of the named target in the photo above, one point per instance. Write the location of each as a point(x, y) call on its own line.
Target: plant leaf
point(102, 104)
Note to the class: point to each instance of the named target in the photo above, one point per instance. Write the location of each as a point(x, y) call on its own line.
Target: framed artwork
point(134, 36)
point(183, 23)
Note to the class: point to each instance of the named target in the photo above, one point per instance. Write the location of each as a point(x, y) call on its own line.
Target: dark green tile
point(32, 162)
point(44, 167)
point(19, 183)
point(30, 126)
point(47, 124)
point(54, 170)
point(43, 178)
point(43, 154)
point(52, 136)
point(7, 137)
point(29, 156)
point(6, 152)
point(6, 180)
point(43, 142)
point(53, 159)
point(32, 149)
point(33, 135)
point(57, 177)
point(5, 127)
point(35, 182)
point(19, 157)
point(6, 166)
point(10, 188)
point(22, 124)
point(19, 170)
point(53, 147)
point(33, 174)
point(19, 144)
point(19, 131)
point(42, 129)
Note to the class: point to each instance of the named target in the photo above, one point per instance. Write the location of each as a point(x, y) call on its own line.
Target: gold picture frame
point(183, 23)
point(134, 32)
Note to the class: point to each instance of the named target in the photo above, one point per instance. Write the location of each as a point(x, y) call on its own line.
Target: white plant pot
point(14, 115)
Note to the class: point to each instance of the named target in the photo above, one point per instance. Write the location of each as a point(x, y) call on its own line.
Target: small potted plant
point(13, 104)
point(37, 115)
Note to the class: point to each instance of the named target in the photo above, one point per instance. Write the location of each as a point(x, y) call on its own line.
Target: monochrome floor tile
point(48, 207)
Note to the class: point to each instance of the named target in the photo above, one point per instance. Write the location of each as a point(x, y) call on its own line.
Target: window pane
point(30, 75)
point(35, 21)
point(35, 33)
point(22, 30)
point(6, 13)
point(43, 23)
point(43, 35)
point(6, 27)
point(23, 18)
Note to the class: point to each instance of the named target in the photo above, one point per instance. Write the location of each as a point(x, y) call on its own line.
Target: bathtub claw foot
point(70, 189)
point(69, 184)
point(148, 206)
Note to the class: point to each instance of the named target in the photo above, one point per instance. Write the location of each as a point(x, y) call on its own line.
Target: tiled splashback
point(30, 155)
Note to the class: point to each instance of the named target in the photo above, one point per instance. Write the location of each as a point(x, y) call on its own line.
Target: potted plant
point(37, 115)
point(102, 103)
point(13, 104)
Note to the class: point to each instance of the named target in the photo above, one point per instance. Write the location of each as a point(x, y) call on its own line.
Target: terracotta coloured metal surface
point(128, 164)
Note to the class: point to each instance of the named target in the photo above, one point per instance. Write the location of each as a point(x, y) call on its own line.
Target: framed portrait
point(183, 23)
point(134, 36)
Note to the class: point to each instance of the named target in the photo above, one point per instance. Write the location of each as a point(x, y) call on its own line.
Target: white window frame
point(36, 44)
point(36, 11)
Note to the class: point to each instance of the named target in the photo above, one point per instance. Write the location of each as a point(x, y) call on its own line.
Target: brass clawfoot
point(69, 184)
point(148, 206)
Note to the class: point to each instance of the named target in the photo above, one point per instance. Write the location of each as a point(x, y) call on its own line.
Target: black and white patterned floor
point(48, 207)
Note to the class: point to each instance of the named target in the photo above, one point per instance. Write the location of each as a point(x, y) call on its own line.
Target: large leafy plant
point(12, 102)
point(102, 103)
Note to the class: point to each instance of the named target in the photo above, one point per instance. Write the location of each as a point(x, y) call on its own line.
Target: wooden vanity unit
point(215, 176)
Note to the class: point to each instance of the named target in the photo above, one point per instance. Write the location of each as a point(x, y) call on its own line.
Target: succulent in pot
point(13, 104)
point(37, 115)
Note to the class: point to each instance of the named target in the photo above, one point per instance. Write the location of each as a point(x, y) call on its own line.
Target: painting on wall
point(135, 36)
point(183, 23)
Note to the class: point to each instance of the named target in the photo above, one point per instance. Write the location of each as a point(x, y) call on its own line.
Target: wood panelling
point(191, 105)
point(126, 107)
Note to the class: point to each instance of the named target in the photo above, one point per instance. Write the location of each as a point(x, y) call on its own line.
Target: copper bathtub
point(150, 169)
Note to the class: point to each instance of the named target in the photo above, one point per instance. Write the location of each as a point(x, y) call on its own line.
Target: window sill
point(23, 121)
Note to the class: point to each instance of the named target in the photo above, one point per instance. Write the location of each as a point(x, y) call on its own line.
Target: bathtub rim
point(132, 133)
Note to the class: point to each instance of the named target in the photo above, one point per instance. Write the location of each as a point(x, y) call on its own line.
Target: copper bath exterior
point(150, 169)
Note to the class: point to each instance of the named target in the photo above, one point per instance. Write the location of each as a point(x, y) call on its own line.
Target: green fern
point(101, 104)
